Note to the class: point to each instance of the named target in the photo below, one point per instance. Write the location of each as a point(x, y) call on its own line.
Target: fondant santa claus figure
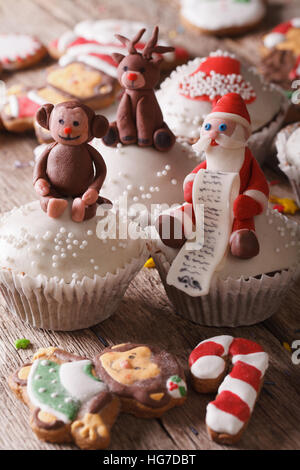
point(223, 138)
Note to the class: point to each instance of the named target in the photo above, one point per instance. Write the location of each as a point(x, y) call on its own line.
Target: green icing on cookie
point(87, 369)
point(47, 389)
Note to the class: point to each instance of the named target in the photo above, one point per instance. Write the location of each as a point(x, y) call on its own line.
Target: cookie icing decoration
point(19, 50)
point(93, 42)
point(222, 17)
point(217, 75)
point(286, 37)
point(139, 117)
point(148, 380)
point(68, 402)
point(228, 415)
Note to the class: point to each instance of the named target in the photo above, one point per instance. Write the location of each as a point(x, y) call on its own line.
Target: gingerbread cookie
point(95, 41)
point(19, 51)
point(281, 53)
point(228, 415)
point(67, 400)
point(222, 17)
point(147, 380)
point(22, 104)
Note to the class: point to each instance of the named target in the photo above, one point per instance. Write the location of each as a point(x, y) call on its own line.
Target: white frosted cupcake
point(288, 154)
point(187, 96)
point(60, 275)
point(242, 291)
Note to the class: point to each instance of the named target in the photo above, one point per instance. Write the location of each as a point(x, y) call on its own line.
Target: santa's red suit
point(253, 194)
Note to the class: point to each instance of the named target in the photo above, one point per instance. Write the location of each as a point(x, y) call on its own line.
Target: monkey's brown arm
point(40, 168)
point(100, 168)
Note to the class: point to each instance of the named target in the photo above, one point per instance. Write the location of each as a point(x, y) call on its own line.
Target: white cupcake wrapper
point(260, 142)
point(291, 171)
point(230, 302)
point(48, 304)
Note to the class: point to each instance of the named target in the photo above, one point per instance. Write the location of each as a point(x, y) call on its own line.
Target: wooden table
point(145, 314)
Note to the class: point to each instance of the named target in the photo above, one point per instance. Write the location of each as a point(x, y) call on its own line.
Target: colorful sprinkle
point(22, 343)
point(149, 263)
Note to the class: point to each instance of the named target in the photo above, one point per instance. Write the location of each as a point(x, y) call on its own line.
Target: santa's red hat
point(232, 106)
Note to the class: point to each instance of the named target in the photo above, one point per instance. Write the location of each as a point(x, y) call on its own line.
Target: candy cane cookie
point(228, 415)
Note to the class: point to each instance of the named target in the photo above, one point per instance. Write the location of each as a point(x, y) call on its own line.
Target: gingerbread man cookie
point(67, 400)
point(19, 51)
point(228, 415)
point(147, 380)
point(222, 17)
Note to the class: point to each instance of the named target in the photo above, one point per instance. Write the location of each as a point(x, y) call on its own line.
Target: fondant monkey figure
point(70, 167)
point(139, 117)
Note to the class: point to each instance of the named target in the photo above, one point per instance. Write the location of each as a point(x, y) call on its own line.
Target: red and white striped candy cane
point(228, 415)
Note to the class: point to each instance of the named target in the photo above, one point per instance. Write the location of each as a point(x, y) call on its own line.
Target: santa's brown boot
point(244, 244)
point(170, 231)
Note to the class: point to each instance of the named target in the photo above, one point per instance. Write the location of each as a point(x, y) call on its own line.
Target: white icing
point(60, 416)
point(213, 196)
point(67, 38)
point(272, 39)
point(293, 148)
point(14, 106)
point(90, 60)
point(223, 340)
point(34, 96)
point(91, 48)
point(185, 116)
point(222, 14)
point(29, 241)
point(175, 393)
point(222, 422)
point(13, 46)
point(152, 187)
point(77, 383)
point(260, 360)
point(296, 22)
point(104, 32)
point(245, 391)
point(208, 367)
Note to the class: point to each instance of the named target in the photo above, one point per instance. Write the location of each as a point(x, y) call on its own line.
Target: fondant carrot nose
point(132, 76)
point(67, 130)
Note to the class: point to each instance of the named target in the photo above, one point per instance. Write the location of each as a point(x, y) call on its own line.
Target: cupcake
point(188, 95)
point(144, 163)
point(288, 154)
point(235, 265)
point(61, 267)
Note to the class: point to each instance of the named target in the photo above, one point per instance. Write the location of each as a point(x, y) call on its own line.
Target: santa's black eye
point(75, 123)
point(61, 121)
point(142, 70)
point(125, 68)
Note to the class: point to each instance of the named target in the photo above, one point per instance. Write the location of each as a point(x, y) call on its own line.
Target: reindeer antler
point(151, 46)
point(130, 43)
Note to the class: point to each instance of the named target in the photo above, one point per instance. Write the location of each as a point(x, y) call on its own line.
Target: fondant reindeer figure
point(139, 117)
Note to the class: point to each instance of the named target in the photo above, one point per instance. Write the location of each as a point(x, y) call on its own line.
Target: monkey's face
point(69, 126)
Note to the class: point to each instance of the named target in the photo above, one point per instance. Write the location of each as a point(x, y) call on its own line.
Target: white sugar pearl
point(92, 260)
point(75, 242)
point(90, 232)
point(62, 230)
point(70, 235)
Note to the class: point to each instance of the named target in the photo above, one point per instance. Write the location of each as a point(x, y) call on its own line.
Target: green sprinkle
point(22, 343)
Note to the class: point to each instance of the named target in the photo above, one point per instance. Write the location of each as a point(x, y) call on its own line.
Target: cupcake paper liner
point(48, 304)
point(290, 170)
point(260, 142)
point(231, 302)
